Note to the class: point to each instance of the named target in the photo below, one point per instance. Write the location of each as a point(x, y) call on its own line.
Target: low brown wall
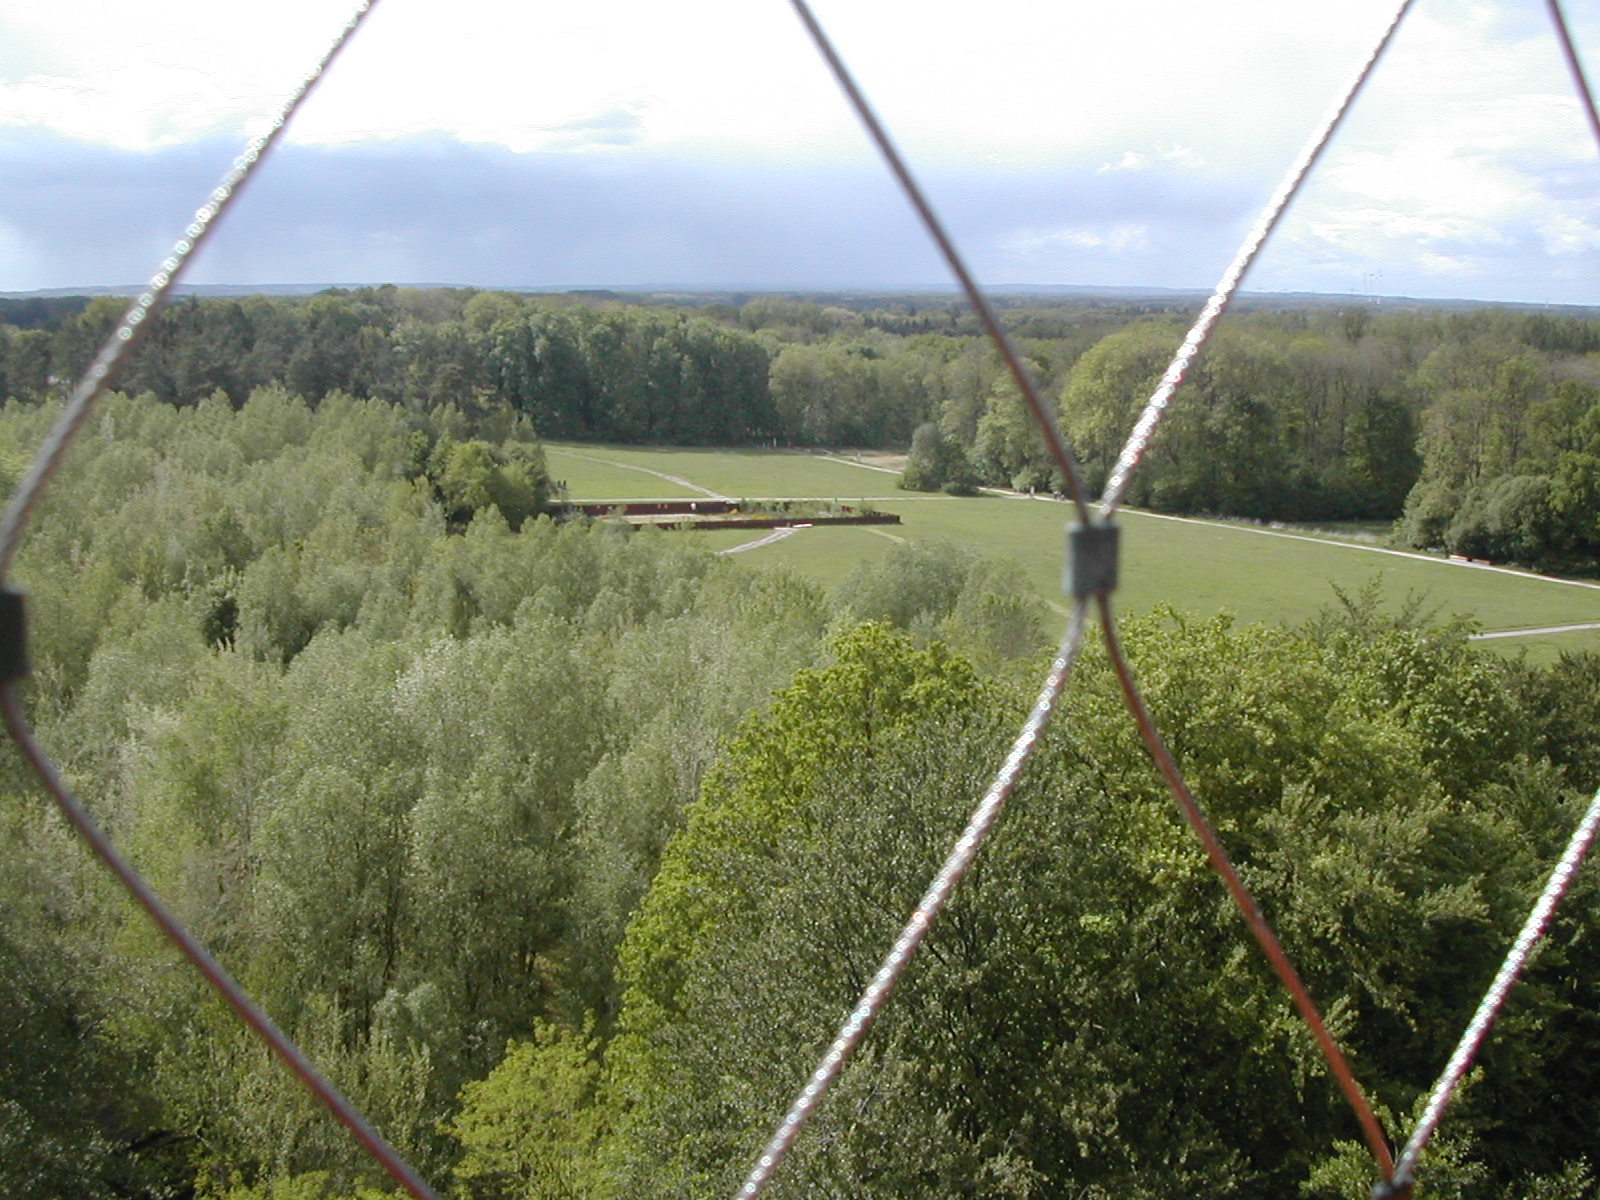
point(779, 522)
point(643, 508)
point(710, 514)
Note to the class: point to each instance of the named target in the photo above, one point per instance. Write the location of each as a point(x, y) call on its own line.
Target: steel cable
point(1200, 332)
point(1494, 999)
point(85, 395)
point(221, 982)
point(1399, 1182)
point(862, 1016)
point(1569, 52)
point(1116, 486)
point(1043, 417)
point(89, 389)
point(1259, 926)
point(92, 386)
point(916, 929)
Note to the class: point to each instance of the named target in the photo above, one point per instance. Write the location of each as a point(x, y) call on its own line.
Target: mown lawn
point(1195, 566)
point(639, 473)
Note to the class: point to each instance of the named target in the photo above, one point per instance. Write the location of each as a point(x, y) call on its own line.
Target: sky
point(633, 143)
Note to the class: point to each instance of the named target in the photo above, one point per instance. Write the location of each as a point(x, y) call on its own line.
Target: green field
point(642, 473)
point(1197, 566)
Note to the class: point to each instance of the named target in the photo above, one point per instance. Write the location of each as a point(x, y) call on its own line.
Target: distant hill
point(1007, 293)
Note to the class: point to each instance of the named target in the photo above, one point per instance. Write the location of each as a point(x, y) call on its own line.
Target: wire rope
point(130, 330)
point(1200, 332)
point(1399, 1183)
point(1569, 52)
point(1259, 926)
point(916, 929)
point(1494, 999)
point(861, 1017)
point(1116, 486)
point(80, 404)
point(199, 957)
point(91, 387)
point(1042, 415)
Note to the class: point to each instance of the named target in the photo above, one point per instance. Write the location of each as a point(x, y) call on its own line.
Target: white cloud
point(1039, 247)
point(954, 84)
point(1566, 235)
point(1452, 146)
point(1139, 160)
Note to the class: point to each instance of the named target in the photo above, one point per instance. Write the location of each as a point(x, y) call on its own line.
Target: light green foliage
point(941, 590)
point(412, 778)
point(1108, 387)
point(368, 788)
point(529, 1129)
point(678, 688)
point(726, 877)
point(313, 1185)
point(1009, 449)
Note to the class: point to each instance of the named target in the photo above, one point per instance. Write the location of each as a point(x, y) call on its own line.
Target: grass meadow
point(1202, 567)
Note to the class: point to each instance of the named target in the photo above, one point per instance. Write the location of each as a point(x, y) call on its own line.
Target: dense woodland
point(564, 849)
point(1478, 431)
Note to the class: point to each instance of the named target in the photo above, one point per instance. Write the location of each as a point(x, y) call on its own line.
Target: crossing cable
point(984, 816)
point(385, 1155)
point(866, 1010)
point(1575, 66)
point(923, 916)
point(1116, 485)
point(1043, 417)
point(1260, 927)
point(862, 1016)
point(85, 396)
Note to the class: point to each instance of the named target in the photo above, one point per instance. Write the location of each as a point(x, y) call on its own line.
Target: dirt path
point(1478, 637)
point(1431, 558)
point(677, 479)
point(777, 535)
point(850, 462)
point(1323, 541)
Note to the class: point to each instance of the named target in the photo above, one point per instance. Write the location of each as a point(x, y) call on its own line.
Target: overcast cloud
point(493, 144)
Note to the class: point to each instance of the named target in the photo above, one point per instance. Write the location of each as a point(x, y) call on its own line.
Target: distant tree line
point(1479, 432)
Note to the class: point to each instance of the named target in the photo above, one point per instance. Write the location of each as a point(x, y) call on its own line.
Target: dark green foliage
point(73, 1123)
point(459, 793)
point(937, 464)
point(474, 475)
point(1091, 1019)
point(1304, 415)
point(1267, 426)
point(1511, 461)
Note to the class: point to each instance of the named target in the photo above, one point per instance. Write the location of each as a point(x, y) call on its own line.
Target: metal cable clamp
point(13, 636)
point(1091, 568)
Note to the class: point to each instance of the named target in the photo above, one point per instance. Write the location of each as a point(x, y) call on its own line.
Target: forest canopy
point(1478, 432)
point(562, 848)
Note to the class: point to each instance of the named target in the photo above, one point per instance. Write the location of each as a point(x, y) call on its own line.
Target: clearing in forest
point(1202, 567)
